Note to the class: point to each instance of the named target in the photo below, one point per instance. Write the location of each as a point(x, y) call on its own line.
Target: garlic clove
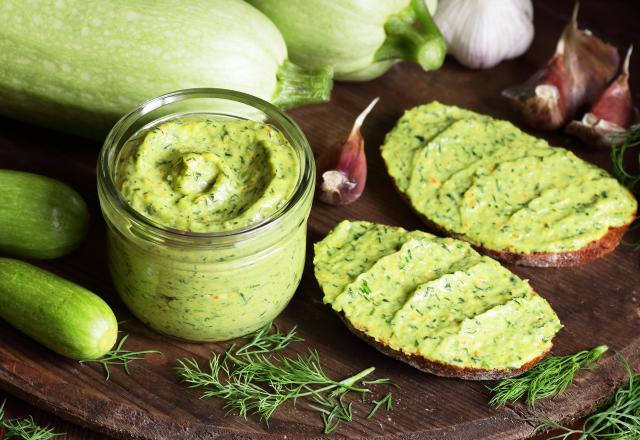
point(616, 104)
point(595, 132)
point(481, 33)
point(611, 114)
point(580, 69)
point(343, 167)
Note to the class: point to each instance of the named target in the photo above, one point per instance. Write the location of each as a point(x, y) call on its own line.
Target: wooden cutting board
point(598, 303)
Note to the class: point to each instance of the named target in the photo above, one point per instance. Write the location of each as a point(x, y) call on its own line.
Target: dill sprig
point(631, 181)
point(333, 411)
point(26, 429)
point(550, 377)
point(257, 385)
point(618, 152)
point(618, 418)
point(386, 400)
point(262, 341)
point(120, 356)
point(250, 383)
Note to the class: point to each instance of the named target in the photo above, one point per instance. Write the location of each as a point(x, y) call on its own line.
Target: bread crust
point(584, 255)
point(439, 368)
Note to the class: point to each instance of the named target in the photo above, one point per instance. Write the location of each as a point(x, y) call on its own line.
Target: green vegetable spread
point(202, 174)
point(205, 174)
point(486, 181)
point(433, 297)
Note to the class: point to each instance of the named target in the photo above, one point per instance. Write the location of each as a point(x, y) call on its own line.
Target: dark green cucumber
point(40, 217)
point(57, 313)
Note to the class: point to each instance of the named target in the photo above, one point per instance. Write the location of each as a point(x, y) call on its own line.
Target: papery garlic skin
point(336, 185)
point(609, 117)
point(481, 33)
point(578, 72)
point(342, 169)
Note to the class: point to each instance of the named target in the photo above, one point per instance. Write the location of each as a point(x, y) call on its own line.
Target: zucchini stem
point(297, 86)
point(413, 35)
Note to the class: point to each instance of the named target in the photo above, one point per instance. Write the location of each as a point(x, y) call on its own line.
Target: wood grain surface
point(598, 303)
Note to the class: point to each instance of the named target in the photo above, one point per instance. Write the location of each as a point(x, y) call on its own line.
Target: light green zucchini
point(40, 217)
point(80, 65)
point(361, 39)
point(57, 313)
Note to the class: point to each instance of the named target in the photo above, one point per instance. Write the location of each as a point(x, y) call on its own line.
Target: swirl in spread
point(201, 174)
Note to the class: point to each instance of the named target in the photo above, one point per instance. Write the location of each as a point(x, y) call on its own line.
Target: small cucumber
point(39, 217)
point(57, 313)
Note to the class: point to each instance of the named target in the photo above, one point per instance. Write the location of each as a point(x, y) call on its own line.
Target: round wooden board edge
point(510, 422)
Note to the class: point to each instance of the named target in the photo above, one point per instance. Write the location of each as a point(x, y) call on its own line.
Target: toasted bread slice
point(433, 302)
point(588, 253)
point(438, 368)
point(508, 194)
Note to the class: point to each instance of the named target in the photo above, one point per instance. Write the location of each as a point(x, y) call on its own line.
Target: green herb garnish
point(386, 400)
point(333, 412)
point(550, 377)
point(618, 152)
point(251, 383)
point(263, 342)
point(120, 356)
point(256, 385)
point(618, 418)
point(26, 429)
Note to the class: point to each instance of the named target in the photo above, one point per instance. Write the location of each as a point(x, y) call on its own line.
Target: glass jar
point(205, 286)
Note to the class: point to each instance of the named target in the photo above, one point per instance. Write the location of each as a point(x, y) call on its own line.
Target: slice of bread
point(439, 368)
point(586, 254)
point(443, 168)
point(433, 302)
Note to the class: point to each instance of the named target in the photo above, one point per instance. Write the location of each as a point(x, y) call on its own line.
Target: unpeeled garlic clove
point(610, 116)
point(580, 69)
point(343, 167)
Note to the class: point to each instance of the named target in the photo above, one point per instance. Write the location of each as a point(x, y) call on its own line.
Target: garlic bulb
point(481, 33)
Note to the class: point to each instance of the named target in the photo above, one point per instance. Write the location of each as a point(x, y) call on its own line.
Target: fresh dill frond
point(252, 381)
point(333, 411)
point(386, 400)
point(255, 384)
point(28, 429)
point(618, 153)
point(550, 377)
point(120, 356)
point(627, 178)
point(262, 341)
point(380, 381)
point(618, 418)
point(258, 385)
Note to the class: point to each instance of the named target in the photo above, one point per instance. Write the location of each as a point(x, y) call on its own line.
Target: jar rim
point(291, 130)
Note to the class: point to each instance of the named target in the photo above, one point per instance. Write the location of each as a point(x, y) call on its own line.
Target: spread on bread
point(434, 302)
point(485, 181)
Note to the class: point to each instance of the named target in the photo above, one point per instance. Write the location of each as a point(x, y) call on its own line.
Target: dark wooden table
point(616, 21)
